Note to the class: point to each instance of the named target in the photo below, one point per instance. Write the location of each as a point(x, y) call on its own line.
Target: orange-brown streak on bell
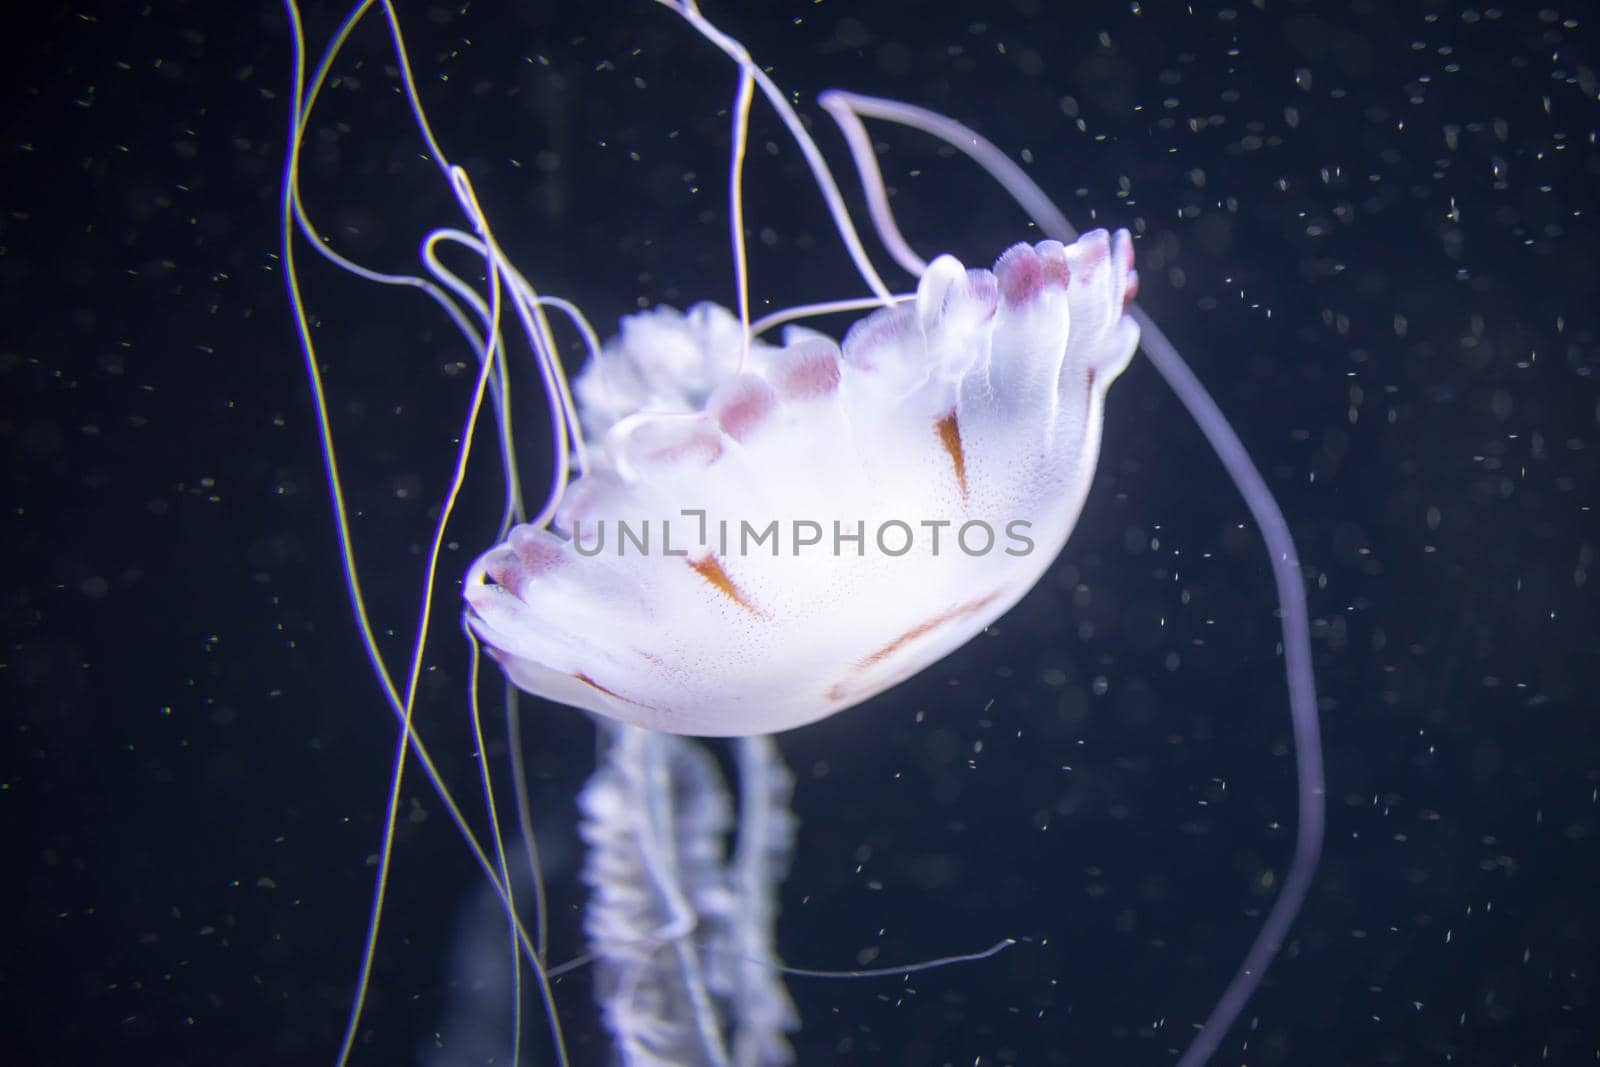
point(950, 436)
point(922, 629)
point(612, 693)
point(711, 570)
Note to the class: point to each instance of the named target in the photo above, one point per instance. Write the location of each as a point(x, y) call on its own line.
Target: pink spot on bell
point(1053, 264)
point(1096, 246)
point(505, 569)
point(701, 448)
point(1019, 274)
point(1025, 271)
point(538, 555)
point(813, 373)
point(882, 331)
point(746, 404)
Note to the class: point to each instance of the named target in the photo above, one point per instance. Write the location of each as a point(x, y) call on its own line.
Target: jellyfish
point(745, 535)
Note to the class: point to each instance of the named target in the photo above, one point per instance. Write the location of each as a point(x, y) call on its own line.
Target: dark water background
point(1370, 226)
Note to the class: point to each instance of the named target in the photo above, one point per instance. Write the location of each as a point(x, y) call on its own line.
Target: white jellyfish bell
point(744, 537)
point(752, 550)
